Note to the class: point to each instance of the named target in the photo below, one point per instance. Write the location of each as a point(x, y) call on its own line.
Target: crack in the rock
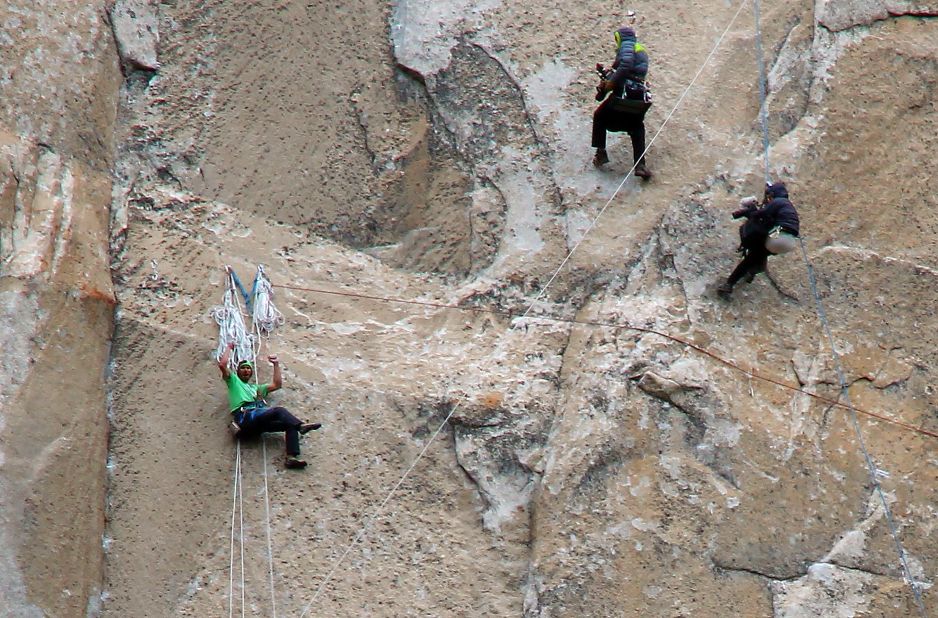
point(359, 115)
point(539, 140)
point(725, 568)
point(672, 263)
point(530, 606)
point(754, 571)
point(803, 112)
point(454, 424)
point(890, 15)
point(431, 107)
point(519, 91)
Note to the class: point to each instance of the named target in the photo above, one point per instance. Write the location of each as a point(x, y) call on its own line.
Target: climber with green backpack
point(624, 110)
point(251, 416)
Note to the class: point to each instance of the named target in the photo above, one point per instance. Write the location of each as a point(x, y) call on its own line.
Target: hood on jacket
point(624, 34)
point(774, 190)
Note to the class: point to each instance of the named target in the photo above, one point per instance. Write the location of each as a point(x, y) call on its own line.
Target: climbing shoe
point(308, 427)
point(293, 463)
point(725, 290)
point(600, 158)
point(642, 172)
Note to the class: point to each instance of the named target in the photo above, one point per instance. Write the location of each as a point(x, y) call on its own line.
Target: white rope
point(230, 319)
point(634, 165)
point(872, 469)
point(234, 509)
point(380, 508)
point(378, 511)
point(266, 318)
point(231, 328)
point(270, 550)
point(265, 315)
point(241, 524)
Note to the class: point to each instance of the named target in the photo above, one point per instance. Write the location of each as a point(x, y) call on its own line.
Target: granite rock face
point(57, 120)
point(136, 33)
point(582, 426)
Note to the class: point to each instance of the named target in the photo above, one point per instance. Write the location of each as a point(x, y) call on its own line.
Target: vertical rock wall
point(58, 94)
point(440, 152)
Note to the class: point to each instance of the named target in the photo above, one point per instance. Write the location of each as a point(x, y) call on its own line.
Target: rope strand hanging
point(749, 373)
point(230, 319)
point(563, 263)
point(872, 468)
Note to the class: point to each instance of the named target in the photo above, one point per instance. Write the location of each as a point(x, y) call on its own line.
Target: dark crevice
point(753, 571)
point(459, 464)
point(916, 13)
point(359, 114)
point(724, 568)
point(539, 140)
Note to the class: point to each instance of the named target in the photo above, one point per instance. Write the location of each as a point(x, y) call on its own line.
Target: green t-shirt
point(240, 393)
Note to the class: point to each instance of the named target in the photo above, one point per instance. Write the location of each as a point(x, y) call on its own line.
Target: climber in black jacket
point(625, 109)
point(769, 230)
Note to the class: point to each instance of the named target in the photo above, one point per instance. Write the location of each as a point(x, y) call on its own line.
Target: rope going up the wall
point(873, 470)
point(232, 329)
point(380, 508)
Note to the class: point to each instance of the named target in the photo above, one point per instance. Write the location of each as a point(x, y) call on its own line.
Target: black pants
point(264, 420)
point(607, 118)
point(751, 265)
point(756, 259)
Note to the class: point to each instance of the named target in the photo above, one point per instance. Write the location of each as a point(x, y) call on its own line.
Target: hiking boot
point(305, 428)
point(642, 172)
point(725, 290)
point(293, 463)
point(600, 158)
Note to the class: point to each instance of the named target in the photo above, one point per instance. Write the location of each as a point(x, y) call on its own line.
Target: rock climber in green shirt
point(252, 415)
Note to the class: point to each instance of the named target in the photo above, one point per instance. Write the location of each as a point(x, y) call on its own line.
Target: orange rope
point(651, 331)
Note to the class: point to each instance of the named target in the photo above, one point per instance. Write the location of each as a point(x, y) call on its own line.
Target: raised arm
point(223, 360)
point(277, 380)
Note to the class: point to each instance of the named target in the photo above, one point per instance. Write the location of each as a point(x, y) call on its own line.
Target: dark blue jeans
point(265, 420)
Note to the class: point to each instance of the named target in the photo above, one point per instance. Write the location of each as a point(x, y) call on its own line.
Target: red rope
point(651, 331)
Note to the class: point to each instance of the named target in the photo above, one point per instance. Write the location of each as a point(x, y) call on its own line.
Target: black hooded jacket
point(778, 210)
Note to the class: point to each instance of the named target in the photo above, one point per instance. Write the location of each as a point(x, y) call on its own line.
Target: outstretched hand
point(273, 359)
